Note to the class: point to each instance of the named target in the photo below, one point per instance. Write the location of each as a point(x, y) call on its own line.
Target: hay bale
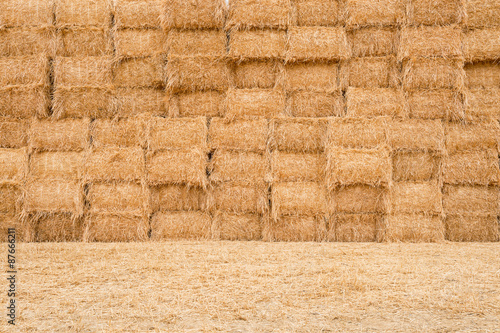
point(178, 133)
point(435, 12)
point(250, 103)
point(247, 135)
point(373, 41)
point(472, 168)
point(24, 231)
point(414, 228)
point(197, 73)
point(415, 166)
point(416, 197)
point(482, 44)
point(197, 103)
point(312, 76)
point(472, 228)
point(292, 167)
point(84, 42)
point(62, 135)
point(295, 229)
point(458, 199)
point(446, 104)
point(139, 72)
point(482, 13)
point(358, 166)
point(82, 71)
point(315, 104)
point(11, 199)
point(375, 102)
point(482, 104)
point(355, 227)
point(54, 196)
point(374, 12)
point(81, 102)
point(110, 164)
point(83, 13)
point(127, 198)
point(139, 42)
point(26, 70)
point(16, 13)
point(23, 41)
point(299, 134)
point(13, 133)
point(329, 43)
point(13, 165)
point(134, 101)
point(174, 197)
point(370, 72)
point(259, 14)
point(127, 132)
point(298, 198)
point(115, 228)
point(228, 166)
point(482, 75)
point(177, 167)
point(208, 43)
point(427, 42)
point(416, 134)
point(180, 225)
point(241, 227)
point(357, 132)
point(360, 199)
point(257, 44)
point(264, 74)
point(59, 227)
point(24, 101)
point(478, 136)
point(240, 197)
point(198, 14)
point(56, 166)
point(435, 73)
point(315, 12)
point(137, 13)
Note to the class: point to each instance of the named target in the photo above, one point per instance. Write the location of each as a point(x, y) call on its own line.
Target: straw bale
point(257, 44)
point(416, 134)
point(139, 42)
point(13, 165)
point(197, 14)
point(208, 43)
point(259, 14)
point(13, 133)
point(110, 164)
point(355, 227)
point(60, 227)
point(64, 135)
point(415, 166)
point(198, 103)
point(178, 167)
point(435, 12)
point(316, 12)
point(84, 42)
point(139, 72)
point(238, 166)
point(373, 41)
point(315, 104)
point(477, 136)
point(329, 43)
point(24, 231)
point(178, 133)
point(299, 134)
point(24, 101)
point(459, 199)
point(82, 71)
point(414, 228)
point(298, 198)
point(444, 104)
point(248, 135)
point(435, 73)
point(174, 197)
point(16, 42)
point(358, 166)
point(482, 13)
point(312, 76)
point(472, 168)
point(482, 44)
point(197, 73)
point(482, 75)
point(374, 12)
point(264, 74)
point(241, 227)
point(32, 70)
point(416, 197)
point(115, 228)
point(483, 104)
point(56, 166)
point(472, 228)
point(134, 101)
point(128, 198)
point(54, 196)
point(11, 199)
point(443, 42)
point(127, 132)
point(16, 13)
point(291, 167)
point(137, 13)
point(295, 229)
point(240, 197)
point(370, 72)
point(375, 102)
point(180, 225)
point(83, 13)
point(249, 103)
point(359, 199)
point(79, 102)
point(357, 132)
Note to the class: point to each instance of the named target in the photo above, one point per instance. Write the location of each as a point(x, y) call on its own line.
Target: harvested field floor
point(257, 287)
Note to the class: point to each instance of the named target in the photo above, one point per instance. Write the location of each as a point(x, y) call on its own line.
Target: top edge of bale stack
point(136, 14)
point(195, 14)
point(83, 13)
point(251, 14)
point(22, 13)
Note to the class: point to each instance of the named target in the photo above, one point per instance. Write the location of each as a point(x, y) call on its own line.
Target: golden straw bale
point(373, 41)
point(128, 198)
point(134, 101)
point(357, 132)
point(64, 135)
point(416, 197)
point(435, 73)
point(477, 136)
point(209, 43)
point(24, 70)
point(178, 167)
point(329, 43)
point(359, 199)
point(312, 76)
point(299, 134)
point(180, 225)
point(257, 44)
point(295, 229)
point(358, 166)
point(472, 168)
point(197, 73)
point(178, 133)
point(115, 228)
point(241, 227)
point(355, 227)
point(137, 13)
point(11, 199)
point(443, 42)
point(248, 135)
point(139, 42)
point(83, 13)
point(80, 102)
point(446, 104)
point(259, 14)
point(56, 166)
point(265, 74)
point(415, 166)
point(414, 228)
point(250, 103)
point(370, 72)
point(23, 41)
point(175, 197)
point(375, 102)
point(482, 44)
point(482, 13)
point(82, 71)
point(482, 75)
point(198, 103)
point(13, 133)
point(482, 104)
point(240, 197)
point(54, 196)
point(459, 199)
point(315, 12)
point(298, 198)
point(315, 104)
point(292, 167)
point(374, 12)
point(472, 228)
point(416, 134)
point(24, 231)
point(59, 227)
point(24, 101)
point(13, 165)
point(127, 132)
point(239, 166)
point(115, 164)
point(84, 42)
point(435, 12)
point(139, 72)
point(16, 13)
point(197, 14)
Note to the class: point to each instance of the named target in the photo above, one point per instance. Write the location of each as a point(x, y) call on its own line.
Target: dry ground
point(257, 287)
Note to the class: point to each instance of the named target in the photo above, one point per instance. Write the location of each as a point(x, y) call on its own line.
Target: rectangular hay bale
point(59, 227)
point(355, 227)
point(421, 73)
point(373, 41)
point(134, 101)
point(482, 44)
point(82, 71)
point(54, 196)
point(374, 12)
point(175, 197)
point(13, 165)
point(13, 133)
point(477, 136)
point(128, 198)
point(24, 101)
point(259, 14)
point(416, 134)
point(472, 168)
point(264, 74)
point(329, 43)
point(60, 135)
point(414, 228)
point(360, 199)
point(482, 104)
point(294, 229)
point(291, 167)
point(137, 13)
point(299, 198)
point(415, 166)
point(209, 103)
point(84, 42)
point(257, 44)
point(26, 13)
point(459, 199)
point(249, 103)
point(316, 12)
point(247, 135)
point(299, 134)
point(314, 76)
point(435, 12)
point(375, 102)
point(197, 73)
point(83, 102)
point(314, 104)
point(370, 72)
point(236, 227)
point(482, 75)
point(416, 197)
point(472, 228)
point(482, 13)
point(442, 42)
point(139, 42)
point(108, 164)
point(239, 166)
point(126, 132)
point(27, 41)
point(83, 13)
point(350, 132)
point(139, 72)
point(446, 104)
point(178, 133)
point(56, 166)
point(180, 225)
point(11, 199)
point(207, 43)
point(25, 70)
point(115, 228)
point(177, 167)
point(199, 14)
point(240, 197)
